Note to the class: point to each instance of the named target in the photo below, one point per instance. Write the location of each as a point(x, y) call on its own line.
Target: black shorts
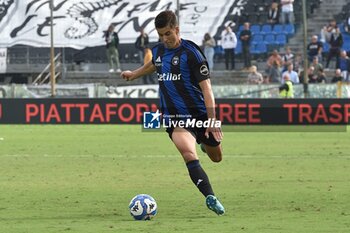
point(198, 134)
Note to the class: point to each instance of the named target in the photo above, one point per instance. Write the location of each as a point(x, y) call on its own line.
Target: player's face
point(169, 36)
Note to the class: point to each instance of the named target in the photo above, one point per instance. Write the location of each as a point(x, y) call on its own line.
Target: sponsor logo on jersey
point(169, 77)
point(204, 70)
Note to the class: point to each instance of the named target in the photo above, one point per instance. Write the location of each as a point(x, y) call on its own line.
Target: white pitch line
point(177, 155)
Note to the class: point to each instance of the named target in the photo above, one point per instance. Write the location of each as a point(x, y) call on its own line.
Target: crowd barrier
point(151, 91)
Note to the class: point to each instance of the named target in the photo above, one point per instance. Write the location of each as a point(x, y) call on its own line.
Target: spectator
point(245, 37)
point(293, 76)
point(336, 42)
point(112, 42)
point(229, 43)
point(337, 76)
point(324, 35)
point(142, 42)
point(266, 79)
point(298, 63)
point(314, 48)
point(287, 58)
point(313, 5)
point(209, 44)
point(310, 75)
point(332, 26)
point(287, 11)
point(273, 67)
point(286, 89)
point(326, 31)
point(317, 66)
point(321, 76)
point(254, 77)
point(273, 14)
point(344, 65)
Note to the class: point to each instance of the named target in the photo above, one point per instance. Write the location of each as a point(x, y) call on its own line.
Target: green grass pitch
point(80, 178)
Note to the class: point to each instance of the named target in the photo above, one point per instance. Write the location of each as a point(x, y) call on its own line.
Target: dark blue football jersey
point(179, 71)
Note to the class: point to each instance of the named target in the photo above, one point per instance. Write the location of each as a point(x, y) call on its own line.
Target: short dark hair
point(165, 18)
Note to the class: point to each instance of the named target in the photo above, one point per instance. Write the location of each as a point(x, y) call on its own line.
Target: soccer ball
point(143, 207)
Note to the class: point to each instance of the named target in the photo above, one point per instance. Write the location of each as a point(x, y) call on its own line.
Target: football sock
point(199, 177)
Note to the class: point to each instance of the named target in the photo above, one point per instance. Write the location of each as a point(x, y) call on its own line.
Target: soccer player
point(185, 93)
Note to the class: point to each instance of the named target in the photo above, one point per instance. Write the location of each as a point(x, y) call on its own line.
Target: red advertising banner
point(130, 111)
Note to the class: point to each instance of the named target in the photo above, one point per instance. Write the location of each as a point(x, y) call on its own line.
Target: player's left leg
point(185, 143)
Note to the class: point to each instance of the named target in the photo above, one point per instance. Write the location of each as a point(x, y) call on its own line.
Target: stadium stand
point(276, 36)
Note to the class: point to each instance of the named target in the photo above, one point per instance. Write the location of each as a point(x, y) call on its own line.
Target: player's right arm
point(146, 69)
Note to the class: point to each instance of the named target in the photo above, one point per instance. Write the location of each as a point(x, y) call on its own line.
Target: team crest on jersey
point(204, 70)
point(175, 61)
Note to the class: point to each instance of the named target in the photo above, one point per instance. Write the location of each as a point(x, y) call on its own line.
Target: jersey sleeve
point(154, 50)
point(198, 66)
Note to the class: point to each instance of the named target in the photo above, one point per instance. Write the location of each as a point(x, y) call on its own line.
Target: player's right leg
point(210, 146)
point(214, 152)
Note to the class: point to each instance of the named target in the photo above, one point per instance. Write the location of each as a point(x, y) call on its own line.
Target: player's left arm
point(209, 101)
point(201, 75)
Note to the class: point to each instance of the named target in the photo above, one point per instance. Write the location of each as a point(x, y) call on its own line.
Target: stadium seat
point(269, 39)
point(346, 47)
point(277, 29)
point(255, 29)
point(289, 29)
point(257, 39)
point(238, 34)
point(325, 47)
point(218, 53)
point(346, 44)
point(218, 50)
point(261, 48)
point(266, 29)
point(341, 27)
point(281, 39)
point(346, 38)
point(238, 49)
point(252, 49)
